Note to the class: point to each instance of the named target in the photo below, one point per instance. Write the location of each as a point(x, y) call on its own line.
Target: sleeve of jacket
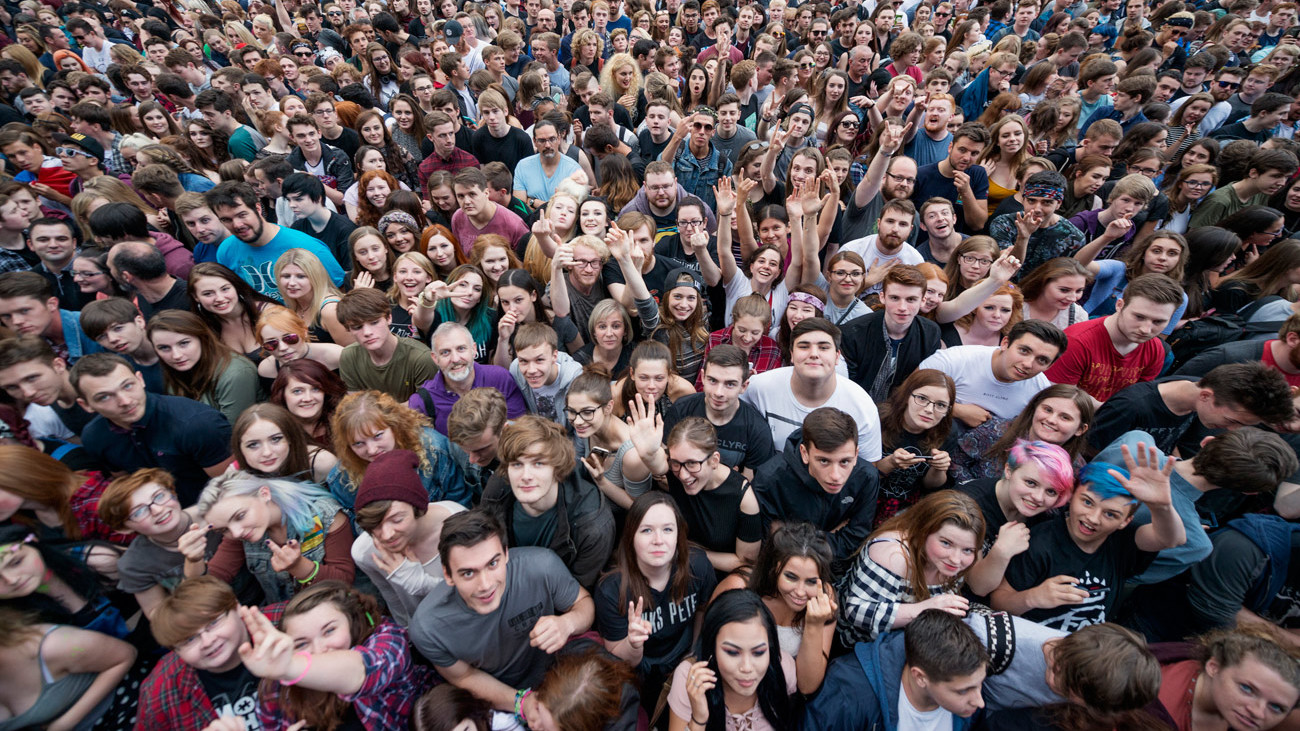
point(594, 538)
point(447, 478)
point(846, 701)
point(343, 172)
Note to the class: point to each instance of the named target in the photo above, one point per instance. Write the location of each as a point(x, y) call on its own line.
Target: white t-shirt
point(739, 286)
point(910, 719)
point(770, 393)
point(865, 247)
point(971, 368)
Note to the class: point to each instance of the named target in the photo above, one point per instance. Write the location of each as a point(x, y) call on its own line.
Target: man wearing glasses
point(94, 46)
point(699, 164)
point(1225, 84)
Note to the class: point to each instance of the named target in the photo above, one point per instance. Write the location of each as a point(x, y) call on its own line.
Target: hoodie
point(569, 370)
point(861, 690)
point(337, 167)
point(179, 259)
point(641, 204)
point(786, 491)
point(584, 525)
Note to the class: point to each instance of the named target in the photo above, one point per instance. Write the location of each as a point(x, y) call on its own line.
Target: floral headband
point(808, 299)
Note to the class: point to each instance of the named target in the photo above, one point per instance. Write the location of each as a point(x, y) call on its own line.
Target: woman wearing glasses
point(90, 272)
point(602, 441)
point(917, 440)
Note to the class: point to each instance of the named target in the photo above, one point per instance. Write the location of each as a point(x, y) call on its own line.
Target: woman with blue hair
point(290, 534)
point(1075, 564)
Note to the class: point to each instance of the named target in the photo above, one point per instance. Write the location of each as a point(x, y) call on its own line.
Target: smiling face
point(537, 364)
point(158, 508)
point(1025, 358)
point(949, 551)
point(264, 446)
point(304, 400)
point(453, 353)
point(1027, 492)
point(321, 629)
point(1092, 520)
point(478, 574)
point(244, 517)
point(1056, 421)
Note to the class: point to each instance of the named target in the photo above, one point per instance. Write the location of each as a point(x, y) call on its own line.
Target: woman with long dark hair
point(228, 305)
point(311, 392)
point(1210, 249)
point(716, 688)
point(268, 441)
point(1275, 272)
point(198, 366)
point(917, 441)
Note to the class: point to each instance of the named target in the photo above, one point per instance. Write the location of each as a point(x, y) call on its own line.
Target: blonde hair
point(321, 284)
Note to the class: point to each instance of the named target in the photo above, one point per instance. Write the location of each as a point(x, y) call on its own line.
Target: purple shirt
point(504, 222)
point(1088, 223)
point(434, 391)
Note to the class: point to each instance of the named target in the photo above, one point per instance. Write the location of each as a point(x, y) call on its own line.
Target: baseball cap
point(83, 142)
point(452, 31)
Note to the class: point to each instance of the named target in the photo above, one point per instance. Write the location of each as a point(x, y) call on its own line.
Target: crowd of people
point(572, 365)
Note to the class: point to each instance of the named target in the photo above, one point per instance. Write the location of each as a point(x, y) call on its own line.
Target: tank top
point(56, 697)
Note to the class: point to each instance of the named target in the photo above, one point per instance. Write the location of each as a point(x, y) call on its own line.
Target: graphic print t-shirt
point(233, 693)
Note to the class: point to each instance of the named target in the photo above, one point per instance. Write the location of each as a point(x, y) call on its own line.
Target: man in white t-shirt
point(888, 246)
point(787, 395)
point(999, 382)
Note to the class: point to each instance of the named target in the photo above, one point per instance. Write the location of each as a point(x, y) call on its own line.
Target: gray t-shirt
point(1024, 684)
point(730, 148)
point(147, 564)
point(447, 631)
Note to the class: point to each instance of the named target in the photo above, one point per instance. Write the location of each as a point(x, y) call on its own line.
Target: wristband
point(307, 667)
point(520, 695)
point(315, 570)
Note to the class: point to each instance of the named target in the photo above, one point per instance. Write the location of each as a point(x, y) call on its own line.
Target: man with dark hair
point(1000, 381)
point(1178, 411)
point(890, 176)
point(934, 666)
point(537, 176)
point(1038, 234)
point(744, 439)
point(1112, 352)
point(218, 110)
point(266, 176)
point(909, 339)
point(160, 187)
point(821, 477)
point(379, 359)
point(135, 429)
point(92, 120)
point(255, 244)
point(321, 108)
point(31, 373)
point(306, 197)
point(94, 46)
point(118, 327)
point(786, 396)
point(112, 223)
point(28, 306)
point(142, 269)
point(478, 215)
point(181, 63)
point(330, 164)
point(699, 164)
point(1268, 172)
point(494, 625)
point(1126, 105)
point(55, 244)
point(958, 178)
point(1266, 113)
point(888, 246)
point(446, 155)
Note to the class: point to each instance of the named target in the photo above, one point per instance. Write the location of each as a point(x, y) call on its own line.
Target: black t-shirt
point(334, 235)
point(1140, 407)
point(902, 487)
point(530, 530)
point(745, 441)
point(233, 693)
point(650, 150)
point(1052, 552)
point(508, 150)
point(984, 492)
point(671, 623)
point(74, 417)
point(175, 299)
point(1220, 584)
point(349, 141)
point(654, 279)
point(713, 517)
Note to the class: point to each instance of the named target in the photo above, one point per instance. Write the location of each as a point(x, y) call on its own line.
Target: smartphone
point(601, 452)
point(923, 456)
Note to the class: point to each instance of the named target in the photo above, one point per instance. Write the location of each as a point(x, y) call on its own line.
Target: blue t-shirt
point(530, 178)
point(926, 151)
point(256, 264)
point(930, 183)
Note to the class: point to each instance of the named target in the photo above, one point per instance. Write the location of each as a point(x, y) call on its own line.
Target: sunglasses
point(274, 343)
point(302, 54)
point(699, 126)
point(1228, 84)
point(72, 152)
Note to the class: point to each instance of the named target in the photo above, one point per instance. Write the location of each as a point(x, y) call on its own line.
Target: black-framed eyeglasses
point(901, 180)
point(88, 275)
point(971, 259)
point(691, 223)
point(923, 402)
point(162, 497)
point(692, 466)
point(849, 123)
point(585, 415)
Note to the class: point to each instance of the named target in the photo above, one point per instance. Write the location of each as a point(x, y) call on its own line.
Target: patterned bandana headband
point(808, 299)
point(1050, 192)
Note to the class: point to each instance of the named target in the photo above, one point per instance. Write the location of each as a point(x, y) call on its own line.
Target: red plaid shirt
point(764, 356)
point(85, 508)
point(172, 697)
point(391, 688)
point(432, 164)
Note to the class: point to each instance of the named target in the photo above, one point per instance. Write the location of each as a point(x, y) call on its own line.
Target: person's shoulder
point(774, 378)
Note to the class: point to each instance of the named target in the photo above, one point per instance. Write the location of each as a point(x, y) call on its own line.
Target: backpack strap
point(427, 399)
point(1250, 309)
point(1000, 642)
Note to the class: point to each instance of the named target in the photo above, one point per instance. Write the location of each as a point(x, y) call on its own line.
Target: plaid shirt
point(114, 163)
point(764, 356)
point(388, 694)
point(869, 598)
point(14, 261)
point(432, 164)
point(85, 508)
point(172, 697)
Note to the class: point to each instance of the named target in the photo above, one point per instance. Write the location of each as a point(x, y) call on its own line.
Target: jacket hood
point(882, 663)
point(165, 242)
point(794, 463)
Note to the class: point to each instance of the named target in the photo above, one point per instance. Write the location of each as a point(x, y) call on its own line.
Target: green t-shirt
point(411, 365)
point(242, 144)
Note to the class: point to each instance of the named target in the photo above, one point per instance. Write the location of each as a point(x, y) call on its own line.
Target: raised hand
point(1118, 228)
point(647, 427)
point(821, 608)
point(549, 634)
point(363, 279)
point(638, 627)
point(542, 227)
point(284, 557)
point(193, 543)
point(891, 139)
point(618, 242)
point(810, 198)
point(506, 325)
point(962, 181)
point(744, 186)
point(794, 202)
point(1146, 481)
point(1027, 224)
point(698, 241)
point(268, 652)
point(699, 681)
point(1013, 540)
point(725, 196)
point(1006, 265)
point(563, 259)
point(1057, 591)
point(435, 291)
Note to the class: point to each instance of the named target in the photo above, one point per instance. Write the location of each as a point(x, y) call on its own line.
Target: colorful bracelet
point(307, 667)
point(520, 695)
point(315, 570)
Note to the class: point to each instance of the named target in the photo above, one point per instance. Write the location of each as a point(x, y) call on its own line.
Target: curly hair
point(362, 413)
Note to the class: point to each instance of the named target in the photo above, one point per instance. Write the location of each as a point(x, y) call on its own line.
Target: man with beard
point(888, 178)
point(254, 244)
point(931, 145)
point(959, 179)
point(537, 176)
point(659, 197)
point(699, 163)
point(882, 250)
point(453, 353)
